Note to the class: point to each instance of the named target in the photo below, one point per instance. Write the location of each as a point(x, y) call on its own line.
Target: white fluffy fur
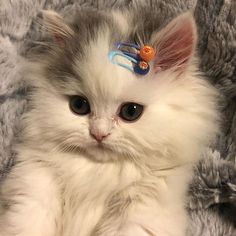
point(65, 185)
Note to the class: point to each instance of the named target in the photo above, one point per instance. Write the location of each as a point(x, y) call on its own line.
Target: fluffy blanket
point(212, 194)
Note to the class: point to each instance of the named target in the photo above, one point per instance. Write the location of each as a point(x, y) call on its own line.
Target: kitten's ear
point(175, 44)
point(56, 25)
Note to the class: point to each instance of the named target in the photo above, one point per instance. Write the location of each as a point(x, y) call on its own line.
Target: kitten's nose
point(100, 128)
point(98, 136)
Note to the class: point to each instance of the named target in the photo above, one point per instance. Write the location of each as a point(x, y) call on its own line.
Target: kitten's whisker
point(63, 145)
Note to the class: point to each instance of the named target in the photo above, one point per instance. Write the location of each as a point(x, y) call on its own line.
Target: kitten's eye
point(131, 111)
point(79, 105)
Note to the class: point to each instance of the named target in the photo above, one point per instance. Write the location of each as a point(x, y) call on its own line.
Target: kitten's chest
point(86, 191)
point(80, 217)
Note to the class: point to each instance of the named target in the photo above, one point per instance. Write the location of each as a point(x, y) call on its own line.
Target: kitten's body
point(65, 183)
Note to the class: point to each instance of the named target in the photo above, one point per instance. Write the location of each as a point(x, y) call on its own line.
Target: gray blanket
point(212, 194)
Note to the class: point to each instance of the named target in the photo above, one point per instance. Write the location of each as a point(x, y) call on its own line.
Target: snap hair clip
point(139, 58)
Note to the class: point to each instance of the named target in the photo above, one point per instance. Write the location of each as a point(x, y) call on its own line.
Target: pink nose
point(98, 136)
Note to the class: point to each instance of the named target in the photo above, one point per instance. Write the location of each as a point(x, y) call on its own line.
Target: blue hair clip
point(139, 59)
point(131, 45)
point(113, 54)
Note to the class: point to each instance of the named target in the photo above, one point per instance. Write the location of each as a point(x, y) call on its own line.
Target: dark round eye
point(79, 105)
point(131, 111)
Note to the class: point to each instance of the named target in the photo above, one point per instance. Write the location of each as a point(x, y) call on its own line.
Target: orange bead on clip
point(147, 53)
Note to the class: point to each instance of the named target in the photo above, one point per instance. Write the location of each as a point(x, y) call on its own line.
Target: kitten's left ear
point(57, 26)
point(175, 44)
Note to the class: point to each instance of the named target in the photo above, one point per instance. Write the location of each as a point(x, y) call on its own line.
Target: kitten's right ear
point(56, 25)
point(176, 43)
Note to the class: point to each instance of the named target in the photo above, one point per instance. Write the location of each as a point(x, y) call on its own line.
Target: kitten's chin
point(102, 153)
point(97, 152)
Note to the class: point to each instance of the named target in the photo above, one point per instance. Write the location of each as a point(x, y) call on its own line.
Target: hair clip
point(131, 45)
point(113, 54)
point(139, 58)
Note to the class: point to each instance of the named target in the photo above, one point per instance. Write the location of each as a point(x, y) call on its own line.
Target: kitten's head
point(85, 104)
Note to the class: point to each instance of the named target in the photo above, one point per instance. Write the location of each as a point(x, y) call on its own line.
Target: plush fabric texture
point(212, 194)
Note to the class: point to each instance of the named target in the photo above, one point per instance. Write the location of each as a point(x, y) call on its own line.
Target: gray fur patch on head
point(60, 59)
point(65, 61)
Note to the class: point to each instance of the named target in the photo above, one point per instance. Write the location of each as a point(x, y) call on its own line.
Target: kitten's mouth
point(102, 146)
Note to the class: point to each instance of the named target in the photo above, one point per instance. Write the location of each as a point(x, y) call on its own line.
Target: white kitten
point(105, 152)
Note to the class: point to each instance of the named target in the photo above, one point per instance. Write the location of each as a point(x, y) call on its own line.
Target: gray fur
point(213, 191)
point(85, 24)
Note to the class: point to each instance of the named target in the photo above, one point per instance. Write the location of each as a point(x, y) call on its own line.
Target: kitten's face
point(107, 101)
point(109, 113)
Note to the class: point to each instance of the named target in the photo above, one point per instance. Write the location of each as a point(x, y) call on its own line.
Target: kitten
point(104, 151)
